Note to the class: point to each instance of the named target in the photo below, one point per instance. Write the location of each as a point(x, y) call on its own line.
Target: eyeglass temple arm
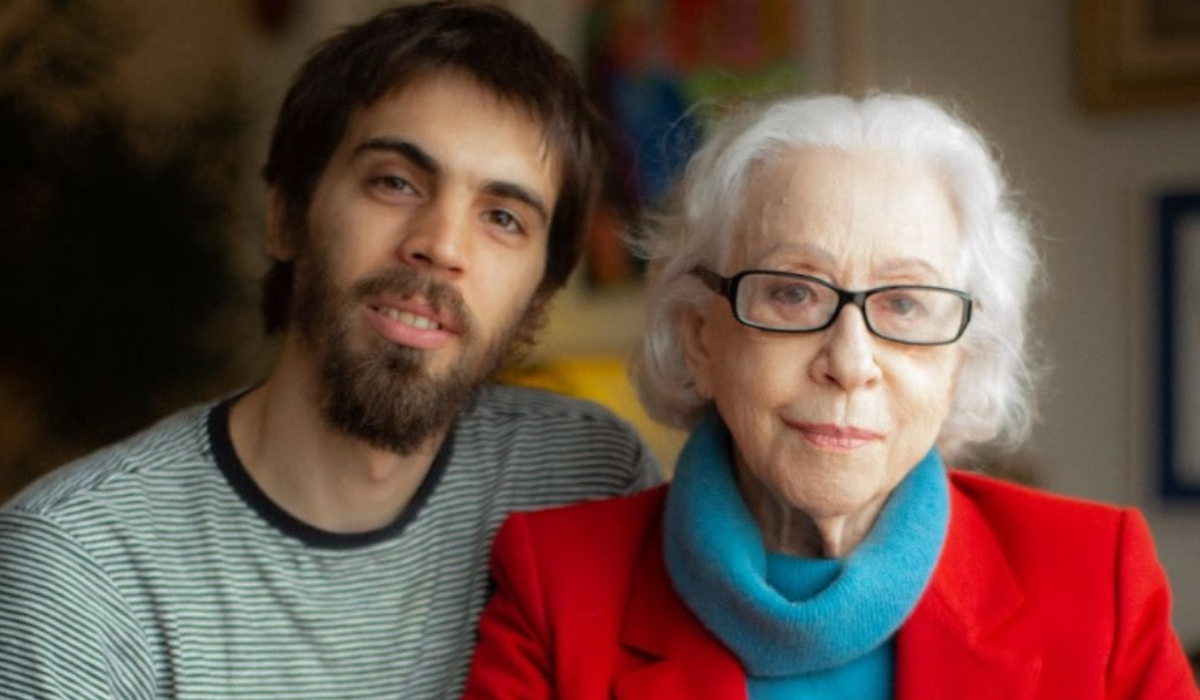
point(712, 280)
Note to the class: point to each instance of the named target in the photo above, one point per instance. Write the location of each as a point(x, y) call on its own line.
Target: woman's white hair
point(994, 390)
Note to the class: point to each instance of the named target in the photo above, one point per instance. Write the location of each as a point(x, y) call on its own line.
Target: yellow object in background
point(603, 379)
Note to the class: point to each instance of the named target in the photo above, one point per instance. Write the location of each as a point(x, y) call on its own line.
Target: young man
point(325, 533)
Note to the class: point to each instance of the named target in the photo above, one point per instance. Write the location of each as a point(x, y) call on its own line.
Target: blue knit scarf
point(786, 617)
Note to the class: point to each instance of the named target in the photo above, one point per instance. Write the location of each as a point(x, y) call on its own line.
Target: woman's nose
point(847, 357)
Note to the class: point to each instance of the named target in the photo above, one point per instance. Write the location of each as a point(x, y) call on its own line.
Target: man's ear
point(281, 239)
point(694, 325)
point(531, 322)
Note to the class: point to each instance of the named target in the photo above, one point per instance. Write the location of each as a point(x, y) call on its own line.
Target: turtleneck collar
point(790, 616)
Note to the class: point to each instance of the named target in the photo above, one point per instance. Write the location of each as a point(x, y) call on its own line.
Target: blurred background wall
point(1089, 177)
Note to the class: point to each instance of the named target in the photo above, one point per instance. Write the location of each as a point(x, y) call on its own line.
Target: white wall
point(1087, 179)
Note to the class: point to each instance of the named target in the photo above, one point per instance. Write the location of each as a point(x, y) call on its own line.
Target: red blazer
point(1035, 597)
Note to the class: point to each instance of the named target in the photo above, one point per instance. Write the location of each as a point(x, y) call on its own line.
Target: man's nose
point(437, 238)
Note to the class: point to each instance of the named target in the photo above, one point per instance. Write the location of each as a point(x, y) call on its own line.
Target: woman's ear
point(695, 350)
point(280, 236)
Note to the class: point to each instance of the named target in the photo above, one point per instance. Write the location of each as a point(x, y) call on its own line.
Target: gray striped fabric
point(155, 569)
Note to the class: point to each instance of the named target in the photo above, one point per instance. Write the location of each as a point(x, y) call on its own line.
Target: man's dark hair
point(367, 61)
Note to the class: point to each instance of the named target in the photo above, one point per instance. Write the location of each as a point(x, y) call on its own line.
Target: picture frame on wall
point(1179, 343)
point(1135, 54)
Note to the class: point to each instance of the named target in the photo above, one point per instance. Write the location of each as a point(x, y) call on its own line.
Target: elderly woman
point(839, 304)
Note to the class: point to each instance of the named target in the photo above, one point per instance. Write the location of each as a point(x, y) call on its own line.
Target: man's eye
point(506, 220)
point(393, 182)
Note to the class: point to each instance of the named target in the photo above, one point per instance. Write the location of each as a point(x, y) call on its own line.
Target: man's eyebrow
point(424, 161)
point(411, 151)
point(511, 190)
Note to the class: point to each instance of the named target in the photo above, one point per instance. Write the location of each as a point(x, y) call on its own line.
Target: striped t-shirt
point(157, 569)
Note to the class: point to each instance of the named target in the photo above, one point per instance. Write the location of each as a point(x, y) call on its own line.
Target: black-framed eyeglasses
point(789, 302)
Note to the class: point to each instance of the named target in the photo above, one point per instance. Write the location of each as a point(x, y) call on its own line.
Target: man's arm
point(647, 472)
point(65, 631)
point(513, 657)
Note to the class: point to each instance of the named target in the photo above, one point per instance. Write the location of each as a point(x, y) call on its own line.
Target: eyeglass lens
point(793, 303)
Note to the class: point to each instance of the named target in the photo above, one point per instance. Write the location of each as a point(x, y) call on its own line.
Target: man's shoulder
point(596, 519)
point(110, 475)
point(508, 402)
point(513, 415)
point(550, 448)
point(594, 535)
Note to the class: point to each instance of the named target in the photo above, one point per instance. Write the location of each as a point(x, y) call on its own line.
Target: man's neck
point(319, 474)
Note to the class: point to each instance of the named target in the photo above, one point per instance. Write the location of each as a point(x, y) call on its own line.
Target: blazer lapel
point(681, 658)
point(943, 650)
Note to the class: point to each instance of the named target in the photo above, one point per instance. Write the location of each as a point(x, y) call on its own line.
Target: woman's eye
point(792, 294)
point(903, 306)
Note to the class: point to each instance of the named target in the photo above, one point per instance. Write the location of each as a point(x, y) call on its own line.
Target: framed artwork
point(1137, 53)
point(658, 69)
point(1179, 344)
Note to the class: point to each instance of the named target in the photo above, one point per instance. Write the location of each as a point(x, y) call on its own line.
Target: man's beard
point(381, 393)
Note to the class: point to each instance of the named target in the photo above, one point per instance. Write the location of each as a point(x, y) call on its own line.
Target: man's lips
point(411, 323)
point(835, 437)
point(408, 318)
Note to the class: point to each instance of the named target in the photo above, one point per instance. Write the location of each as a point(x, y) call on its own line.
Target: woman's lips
point(830, 436)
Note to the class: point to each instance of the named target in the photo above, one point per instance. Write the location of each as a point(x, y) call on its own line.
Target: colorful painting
point(659, 69)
